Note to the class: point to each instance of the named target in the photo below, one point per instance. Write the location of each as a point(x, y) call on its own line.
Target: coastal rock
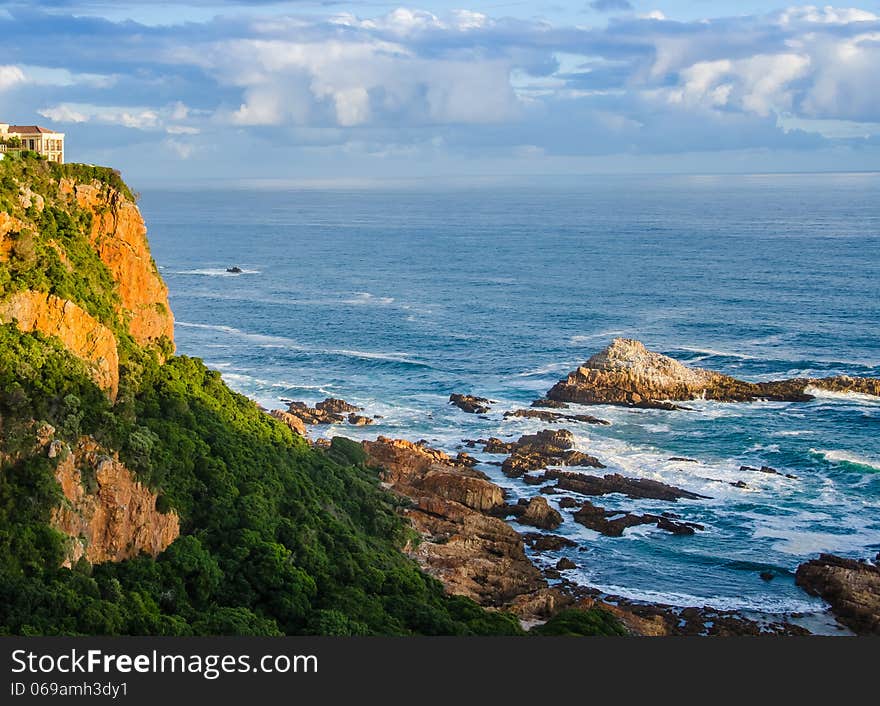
point(549, 404)
point(851, 588)
point(291, 420)
point(547, 416)
point(627, 373)
point(333, 405)
point(565, 564)
point(329, 411)
point(492, 445)
point(616, 483)
point(359, 420)
point(470, 404)
point(80, 333)
point(472, 553)
point(538, 513)
point(547, 542)
point(597, 518)
point(549, 447)
point(107, 514)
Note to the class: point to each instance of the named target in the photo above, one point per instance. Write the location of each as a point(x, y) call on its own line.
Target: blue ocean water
point(393, 298)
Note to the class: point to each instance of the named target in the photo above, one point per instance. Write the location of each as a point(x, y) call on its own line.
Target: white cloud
point(825, 15)
point(357, 82)
point(9, 76)
point(133, 117)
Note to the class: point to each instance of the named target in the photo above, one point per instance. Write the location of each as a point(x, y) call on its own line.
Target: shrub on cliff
point(581, 623)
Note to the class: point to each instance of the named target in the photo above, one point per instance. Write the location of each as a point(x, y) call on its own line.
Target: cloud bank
point(462, 84)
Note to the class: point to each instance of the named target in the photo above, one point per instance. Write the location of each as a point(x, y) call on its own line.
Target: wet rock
point(612, 523)
point(851, 588)
point(762, 469)
point(550, 404)
point(470, 403)
point(493, 445)
point(359, 420)
point(565, 564)
point(683, 459)
point(538, 513)
point(616, 483)
point(333, 405)
point(767, 575)
point(547, 542)
point(596, 518)
point(465, 459)
point(627, 373)
point(567, 502)
point(546, 416)
point(313, 415)
point(533, 480)
point(549, 447)
point(739, 484)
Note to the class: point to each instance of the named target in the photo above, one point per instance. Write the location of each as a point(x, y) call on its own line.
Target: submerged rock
point(627, 373)
point(851, 588)
point(547, 416)
point(470, 404)
point(616, 483)
point(597, 518)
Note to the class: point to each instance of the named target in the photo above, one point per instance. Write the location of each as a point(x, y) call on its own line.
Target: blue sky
point(352, 91)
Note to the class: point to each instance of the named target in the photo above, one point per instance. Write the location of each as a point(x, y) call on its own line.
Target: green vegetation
point(580, 623)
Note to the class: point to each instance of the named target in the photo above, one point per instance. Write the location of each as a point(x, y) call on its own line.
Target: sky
point(345, 92)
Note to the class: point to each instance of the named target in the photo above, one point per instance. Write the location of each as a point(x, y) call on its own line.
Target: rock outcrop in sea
point(851, 588)
point(627, 373)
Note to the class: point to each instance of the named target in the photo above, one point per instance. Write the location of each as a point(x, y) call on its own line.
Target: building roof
point(30, 129)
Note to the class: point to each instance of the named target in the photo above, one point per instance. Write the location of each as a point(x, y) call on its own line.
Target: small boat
point(234, 270)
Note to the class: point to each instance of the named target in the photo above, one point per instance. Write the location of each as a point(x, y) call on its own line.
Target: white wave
point(546, 369)
point(216, 272)
point(268, 341)
point(765, 604)
point(794, 432)
point(766, 448)
point(575, 340)
point(841, 396)
point(711, 352)
point(840, 456)
point(362, 298)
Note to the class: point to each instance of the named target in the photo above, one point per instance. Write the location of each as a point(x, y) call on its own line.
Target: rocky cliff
point(79, 332)
point(627, 373)
point(119, 236)
point(107, 513)
point(76, 267)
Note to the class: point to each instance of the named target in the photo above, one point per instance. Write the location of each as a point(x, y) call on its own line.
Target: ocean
point(395, 297)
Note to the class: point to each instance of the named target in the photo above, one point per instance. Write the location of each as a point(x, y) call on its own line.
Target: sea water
point(395, 297)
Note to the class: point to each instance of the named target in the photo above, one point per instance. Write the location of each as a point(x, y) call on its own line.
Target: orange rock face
point(120, 238)
point(8, 224)
point(80, 333)
point(114, 520)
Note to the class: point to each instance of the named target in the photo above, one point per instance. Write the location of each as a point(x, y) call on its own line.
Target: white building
point(48, 143)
